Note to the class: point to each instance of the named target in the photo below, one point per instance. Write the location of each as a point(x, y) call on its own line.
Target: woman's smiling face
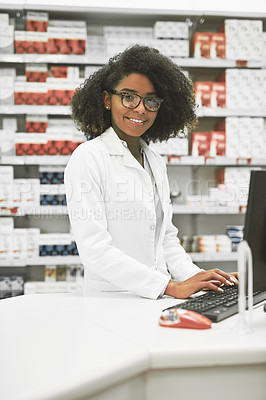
point(132, 122)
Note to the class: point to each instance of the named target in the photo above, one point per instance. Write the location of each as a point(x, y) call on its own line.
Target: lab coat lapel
point(115, 147)
point(157, 171)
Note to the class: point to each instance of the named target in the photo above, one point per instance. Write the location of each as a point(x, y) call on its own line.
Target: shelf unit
point(185, 168)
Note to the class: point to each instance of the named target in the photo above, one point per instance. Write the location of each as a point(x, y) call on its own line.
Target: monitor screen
point(255, 227)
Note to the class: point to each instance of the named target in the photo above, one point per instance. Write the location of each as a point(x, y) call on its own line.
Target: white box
point(7, 143)
point(256, 28)
point(20, 246)
point(171, 30)
point(33, 242)
point(243, 28)
point(7, 39)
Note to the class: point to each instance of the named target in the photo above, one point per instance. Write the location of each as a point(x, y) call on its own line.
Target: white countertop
point(63, 345)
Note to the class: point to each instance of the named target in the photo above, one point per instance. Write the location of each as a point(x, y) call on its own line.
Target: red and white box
point(36, 42)
point(217, 45)
point(30, 144)
point(64, 72)
point(37, 21)
point(201, 45)
point(218, 95)
point(36, 123)
point(200, 144)
point(36, 72)
point(60, 91)
point(217, 144)
point(35, 93)
point(203, 92)
point(20, 42)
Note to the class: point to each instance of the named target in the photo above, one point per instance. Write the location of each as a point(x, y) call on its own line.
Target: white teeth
point(136, 120)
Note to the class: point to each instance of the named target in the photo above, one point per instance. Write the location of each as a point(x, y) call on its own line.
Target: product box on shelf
point(60, 91)
point(50, 273)
point(67, 37)
point(26, 193)
point(64, 72)
point(36, 42)
point(30, 144)
point(218, 95)
point(132, 32)
point(20, 42)
point(201, 45)
point(6, 39)
point(20, 244)
point(172, 47)
point(6, 237)
point(51, 175)
point(30, 93)
point(203, 91)
point(173, 146)
point(171, 30)
point(217, 144)
point(243, 39)
point(33, 242)
point(7, 81)
point(36, 123)
point(6, 187)
point(7, 142)
point(95, 46)
point(36, 72)
point(200, 143)
point(37, 21)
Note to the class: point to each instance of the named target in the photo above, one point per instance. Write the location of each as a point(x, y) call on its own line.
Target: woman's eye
point(129, 98)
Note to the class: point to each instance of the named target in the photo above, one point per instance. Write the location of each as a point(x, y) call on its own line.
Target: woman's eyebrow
point(133, 91)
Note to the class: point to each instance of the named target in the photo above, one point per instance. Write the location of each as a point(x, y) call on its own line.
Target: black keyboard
point(217, 305)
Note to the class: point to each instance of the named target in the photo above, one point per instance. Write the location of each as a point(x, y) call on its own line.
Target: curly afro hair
point(176, 113)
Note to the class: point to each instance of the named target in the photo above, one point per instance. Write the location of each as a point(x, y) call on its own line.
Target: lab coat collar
point(115, 147)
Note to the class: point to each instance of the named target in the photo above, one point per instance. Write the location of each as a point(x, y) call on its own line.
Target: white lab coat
point(112, 214)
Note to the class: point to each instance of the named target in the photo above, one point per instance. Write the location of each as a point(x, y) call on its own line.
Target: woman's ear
point(106, 100)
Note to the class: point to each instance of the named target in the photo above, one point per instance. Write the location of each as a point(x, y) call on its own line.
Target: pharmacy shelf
point(38, 261)
point(42, 210)
point(34, 160)
point(41, 110)
point(209, 257)
point(212, 161)
point(190, 62)
point(224, 112)
point(65, 110)
point(170, 160)
point(75, 260)
point(207, 209)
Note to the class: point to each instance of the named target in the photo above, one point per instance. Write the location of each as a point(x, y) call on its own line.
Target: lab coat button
point(152, 227)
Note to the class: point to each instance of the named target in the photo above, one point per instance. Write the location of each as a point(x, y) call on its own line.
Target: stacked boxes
point(210, 94)
point(11, 286)
point(208, 144)
point(245, 137)
point(208, 45)
point(57, 244)
point(243, 39)
point(245, 89)
point(173, 146)
point(66, 37)
point(235, 182)
point(17, 244)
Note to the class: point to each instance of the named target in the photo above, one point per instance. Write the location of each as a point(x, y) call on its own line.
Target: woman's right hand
point(211, 279)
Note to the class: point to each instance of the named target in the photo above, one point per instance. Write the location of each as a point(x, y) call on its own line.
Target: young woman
point(117, 187)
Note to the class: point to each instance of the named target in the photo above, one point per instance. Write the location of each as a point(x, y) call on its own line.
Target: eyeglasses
point(132, 100)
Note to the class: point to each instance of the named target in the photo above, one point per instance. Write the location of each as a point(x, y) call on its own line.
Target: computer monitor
point(255, 227)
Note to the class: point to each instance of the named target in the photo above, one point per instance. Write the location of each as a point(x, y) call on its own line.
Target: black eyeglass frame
point(117, 92)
